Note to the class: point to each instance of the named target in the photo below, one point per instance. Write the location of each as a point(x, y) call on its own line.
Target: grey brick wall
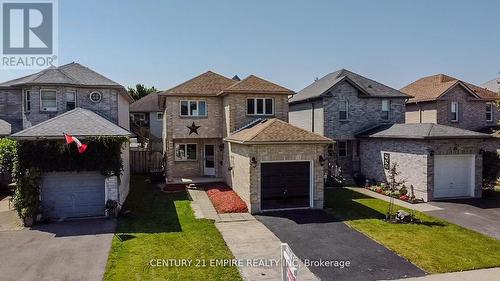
point(472, 112)
point(11, 105)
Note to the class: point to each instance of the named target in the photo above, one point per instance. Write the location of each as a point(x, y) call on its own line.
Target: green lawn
point(433, 244)
point(163, 226)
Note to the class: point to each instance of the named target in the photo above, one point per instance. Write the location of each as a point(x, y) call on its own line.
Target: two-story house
point(441, 99)
point(70, 99)
point(342, 104)
point(237, 131)
point(146, 120)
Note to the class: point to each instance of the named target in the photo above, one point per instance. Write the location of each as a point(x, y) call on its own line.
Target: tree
point(141, 91)
point(394, 185)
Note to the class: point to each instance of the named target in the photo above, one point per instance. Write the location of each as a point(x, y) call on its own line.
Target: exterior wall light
point(221, 147)
point(431, 153)
point(253, 162)
point(321, 160)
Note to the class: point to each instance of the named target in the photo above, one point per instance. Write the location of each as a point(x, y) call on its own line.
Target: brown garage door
point(285, 185)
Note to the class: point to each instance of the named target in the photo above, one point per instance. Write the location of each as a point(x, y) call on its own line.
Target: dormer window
point(454, 111)
point(386, 110)
point(489, 112)
point(343, 109)
point(260, 106)
point(48, 100)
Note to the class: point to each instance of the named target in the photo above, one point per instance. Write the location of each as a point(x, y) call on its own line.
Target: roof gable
point(274, 131)
point(77, 122)
point(254, 84)
point(433, 87)
point(366, 86)
point(205, 84)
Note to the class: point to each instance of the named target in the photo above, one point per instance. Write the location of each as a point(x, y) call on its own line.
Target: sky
point(164, 43)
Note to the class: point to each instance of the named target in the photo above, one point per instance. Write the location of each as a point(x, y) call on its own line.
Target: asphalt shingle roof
point(70, 74)
point(5, 128)
point(258, 85)
point(432, 87)
point(492, 85)
point(275, 131)
point(419, 131)
point(370, 87)
point(77, 122)
point(149, 103)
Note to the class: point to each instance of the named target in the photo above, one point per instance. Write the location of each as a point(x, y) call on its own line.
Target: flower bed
point(225, 200)
point(398, 194)
point(174, 187)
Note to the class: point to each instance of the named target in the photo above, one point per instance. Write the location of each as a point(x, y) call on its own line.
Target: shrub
point(491, 169)
point(8, 150)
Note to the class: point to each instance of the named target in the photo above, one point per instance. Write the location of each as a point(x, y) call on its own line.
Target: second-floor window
point(343, 109)
point(454, 111)
point(70, 100)
point(27, 101)
point(193, 108)
point(48, 100)
point(386, 109)
point(159, 115)
point(489, 112)
point(260, 106)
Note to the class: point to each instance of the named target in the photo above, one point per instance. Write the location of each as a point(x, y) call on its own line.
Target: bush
point(8, 153)
point(491, 169)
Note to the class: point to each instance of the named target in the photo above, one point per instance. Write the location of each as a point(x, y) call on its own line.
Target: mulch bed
point(225, 200)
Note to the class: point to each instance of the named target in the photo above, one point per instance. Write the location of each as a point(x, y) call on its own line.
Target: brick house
point(207, 120)
point(146, 120)
point(445, 100)
point(76, 100)
point(340, 105)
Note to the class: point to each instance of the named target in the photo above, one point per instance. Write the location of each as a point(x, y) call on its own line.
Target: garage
point(453, 176)
point(73, 195)
point(285, 185)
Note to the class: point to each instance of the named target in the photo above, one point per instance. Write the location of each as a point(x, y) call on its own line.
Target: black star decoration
point(193, 128)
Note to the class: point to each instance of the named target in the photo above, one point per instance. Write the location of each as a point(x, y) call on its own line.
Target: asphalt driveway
point(72, 250)
point(479, 214)
point(315, 235)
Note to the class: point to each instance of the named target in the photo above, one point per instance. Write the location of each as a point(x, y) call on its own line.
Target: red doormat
point(174, 187)
point(225, 200)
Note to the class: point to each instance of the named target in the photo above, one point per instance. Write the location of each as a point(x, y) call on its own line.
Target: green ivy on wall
point(35, 157)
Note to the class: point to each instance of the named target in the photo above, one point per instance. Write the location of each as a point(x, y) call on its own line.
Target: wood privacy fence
point(145, 162)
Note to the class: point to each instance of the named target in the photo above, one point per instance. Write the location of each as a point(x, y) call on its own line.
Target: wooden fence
point(145, 162)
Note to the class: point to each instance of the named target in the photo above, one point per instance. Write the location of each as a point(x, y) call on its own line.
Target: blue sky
point(164, 43)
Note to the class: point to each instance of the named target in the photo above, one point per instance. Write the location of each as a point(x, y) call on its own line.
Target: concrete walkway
point(8, 216)
point(490, 274)
point(251, 241)
point(421, 207)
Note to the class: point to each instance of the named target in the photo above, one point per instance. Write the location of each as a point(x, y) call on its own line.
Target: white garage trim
point(448, 169)
point(311, 183)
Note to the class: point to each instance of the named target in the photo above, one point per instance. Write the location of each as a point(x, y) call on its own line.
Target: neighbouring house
point(492, 85)
point(442, 99)
point(340, 105)
point(438, 161)
point(146, 120)
point(237, 131)
point(72, 192)
point(76, 100)
point(5, 128)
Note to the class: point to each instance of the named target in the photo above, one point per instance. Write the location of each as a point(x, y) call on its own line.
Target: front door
point(209, 160)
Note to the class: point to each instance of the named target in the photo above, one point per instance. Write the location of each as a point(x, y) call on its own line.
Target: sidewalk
point(421, 207)
point(249, 241)
point(490, 274)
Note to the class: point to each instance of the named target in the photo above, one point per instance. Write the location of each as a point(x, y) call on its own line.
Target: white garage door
point(454, 176)
point(70, 195)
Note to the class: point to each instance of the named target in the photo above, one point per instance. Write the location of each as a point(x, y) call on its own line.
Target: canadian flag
point(81, 146)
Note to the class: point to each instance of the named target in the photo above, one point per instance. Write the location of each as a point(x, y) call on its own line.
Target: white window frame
point(189, 108)
point(489, 110)
point(388, 110)
point(185, 158)
point(338, 148)
point(158, 115)
point(27, 101)
point(454, 110)
point(263, 107)
point(47, 109)
point(346, 109)
point(66, 96)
